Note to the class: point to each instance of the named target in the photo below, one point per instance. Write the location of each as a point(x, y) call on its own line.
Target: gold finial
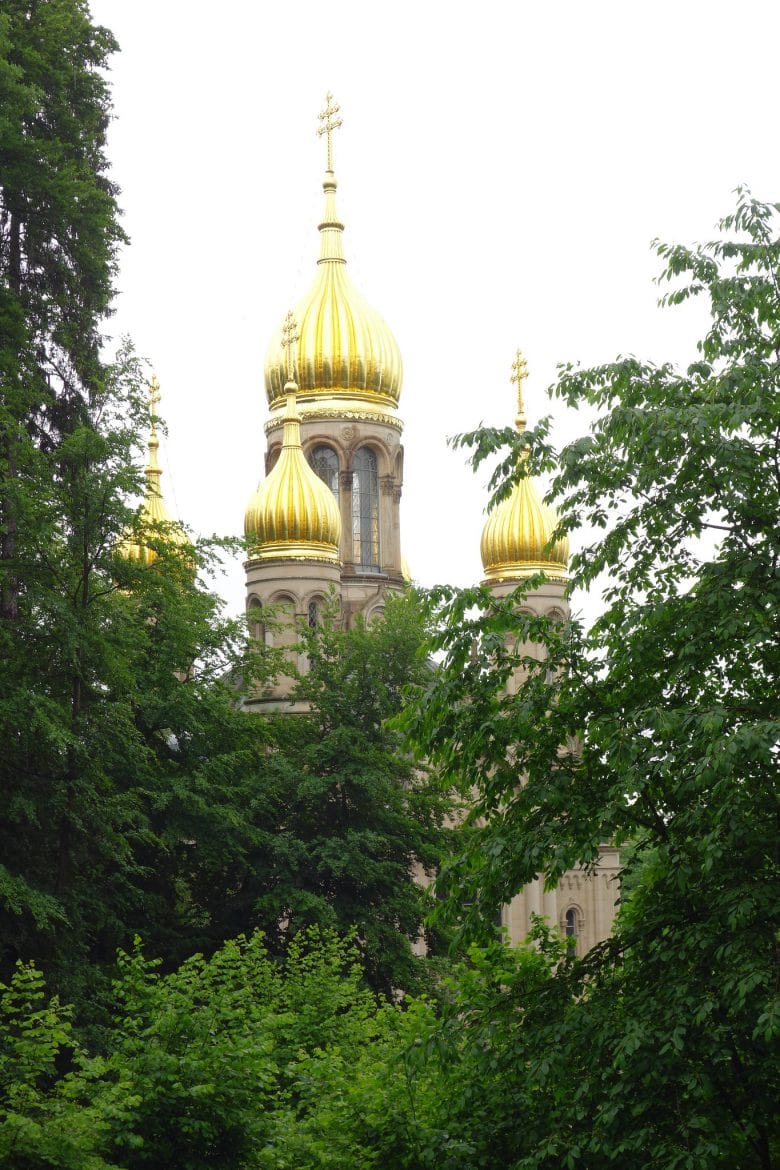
point(290, 336)
point(519, 376)
point(153, 472)
point(154, 401)
point(329, 123)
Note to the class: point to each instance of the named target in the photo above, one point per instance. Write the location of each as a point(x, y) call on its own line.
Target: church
point(324, 519)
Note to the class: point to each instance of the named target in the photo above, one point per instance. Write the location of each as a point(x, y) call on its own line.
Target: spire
point(519, 376)
point(292, 420)
point(152, 470)
point(331, 227)
point(153, 508)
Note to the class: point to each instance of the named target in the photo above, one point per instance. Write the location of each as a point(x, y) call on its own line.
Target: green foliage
point(657, 726)
point(58, 219)
point(229, 1062)
point(357, 821)
point(40, 1124)
point(123, 749)
point(124, 758)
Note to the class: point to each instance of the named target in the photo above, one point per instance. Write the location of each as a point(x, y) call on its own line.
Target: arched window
point(325, 462)
point(255, 619)
point(571, 925)
point(365, 511)
point(314, 615)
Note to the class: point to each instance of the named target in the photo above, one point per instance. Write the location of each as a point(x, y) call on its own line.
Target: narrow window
point(325, 462)
point(256, 619)
point(365, 511)
point(313, 615)
point(571, 923)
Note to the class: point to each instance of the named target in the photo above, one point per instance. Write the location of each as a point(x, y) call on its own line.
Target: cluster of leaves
point(210, 1064)
point(657, 727)
point(363, 830)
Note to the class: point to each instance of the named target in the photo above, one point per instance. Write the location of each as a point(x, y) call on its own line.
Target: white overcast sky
point(502, 171)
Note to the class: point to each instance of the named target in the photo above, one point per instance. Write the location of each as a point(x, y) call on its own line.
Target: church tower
point(347, 371)
point(517, 544)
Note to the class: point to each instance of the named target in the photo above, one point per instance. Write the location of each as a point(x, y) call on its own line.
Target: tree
point(234, 1061)
point(59, 233)
point(114, 711)
point(360, 826)
point(115, 702)
point(658, 725)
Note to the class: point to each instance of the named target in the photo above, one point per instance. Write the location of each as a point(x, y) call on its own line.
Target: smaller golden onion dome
point(293, 514)
point(153, 513)
point(345, 351)
point(516, 537)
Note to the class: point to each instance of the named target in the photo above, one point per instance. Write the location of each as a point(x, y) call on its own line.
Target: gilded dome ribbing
point(293, 514)
point(517, 532)
point(345, 350)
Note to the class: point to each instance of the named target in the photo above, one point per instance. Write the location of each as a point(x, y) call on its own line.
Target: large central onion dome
point(517, 534)
point(293, 514)
point(345, 351)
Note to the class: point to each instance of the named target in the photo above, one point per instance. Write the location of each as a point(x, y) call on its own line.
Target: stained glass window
point(365, 511)
point(325, 462)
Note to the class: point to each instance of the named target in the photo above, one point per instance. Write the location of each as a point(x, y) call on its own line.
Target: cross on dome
point(519, 376)
point(329, 123)
point(154, 400)
point(290, 336)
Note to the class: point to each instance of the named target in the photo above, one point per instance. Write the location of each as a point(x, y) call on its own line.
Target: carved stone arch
point(282, 630)
point(284, 595)
point(378, 611)
point(313, 605)
point(324, 457)
point(398, 464)
point(324, 438)
point(380, 449)
point(256, 623)
point(556, 613)
point(572, 920)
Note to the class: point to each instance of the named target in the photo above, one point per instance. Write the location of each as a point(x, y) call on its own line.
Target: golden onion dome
point(345, 352)
point(153, 513)
point(516, 537)
point(293, 514)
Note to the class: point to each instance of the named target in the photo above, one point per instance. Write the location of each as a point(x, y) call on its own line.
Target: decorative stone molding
point(320, 412)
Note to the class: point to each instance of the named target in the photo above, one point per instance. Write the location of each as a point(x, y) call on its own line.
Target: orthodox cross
point(329, 123)
point(154, 401)
point(289, 337)
point(519, 376)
